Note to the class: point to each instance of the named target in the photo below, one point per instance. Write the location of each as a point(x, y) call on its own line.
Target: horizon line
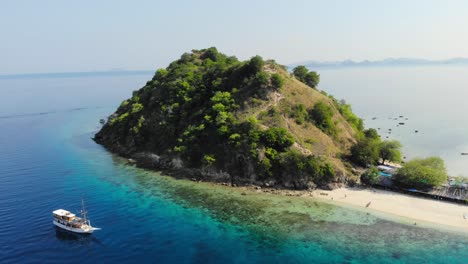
point(74, 74)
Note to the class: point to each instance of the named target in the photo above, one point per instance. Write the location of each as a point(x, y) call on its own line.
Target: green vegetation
point(209, 110)
point(422, 173)
point(277, 138)
point(390, 151)
point(209, 159)
point(300, 72)
point(299, 113)
point(294, 163)
point(347, 113)
point(370, 176)
point(322, 115)
point(277, 81)
point(370, 149)
point(118, 119)
point(365, 152)
point(310, 78)
point(136, 107)
point(136, 128)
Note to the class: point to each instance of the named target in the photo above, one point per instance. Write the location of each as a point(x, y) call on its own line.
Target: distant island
point(74, 74)
point(309, 64)
point(212, 117)
point(381, 63)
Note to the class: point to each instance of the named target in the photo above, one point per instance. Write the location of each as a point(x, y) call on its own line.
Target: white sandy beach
point(422, 211)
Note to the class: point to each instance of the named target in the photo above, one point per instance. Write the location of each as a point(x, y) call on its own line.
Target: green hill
point(211, 116)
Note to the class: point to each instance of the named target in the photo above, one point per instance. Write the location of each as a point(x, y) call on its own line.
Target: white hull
point(70, 222)
point(83, 230)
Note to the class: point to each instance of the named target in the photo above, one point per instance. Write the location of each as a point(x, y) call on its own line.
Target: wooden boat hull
point(73, 229)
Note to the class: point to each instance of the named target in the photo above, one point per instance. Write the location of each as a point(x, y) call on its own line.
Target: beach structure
point(388, 169)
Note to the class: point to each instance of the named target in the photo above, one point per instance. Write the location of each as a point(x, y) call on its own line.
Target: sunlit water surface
point(48, 161)
point(430, 99)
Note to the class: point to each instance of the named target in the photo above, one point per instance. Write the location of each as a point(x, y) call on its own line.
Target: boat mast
point(83, 210)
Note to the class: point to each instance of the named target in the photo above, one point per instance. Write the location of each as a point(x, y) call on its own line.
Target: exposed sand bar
point(421, 211)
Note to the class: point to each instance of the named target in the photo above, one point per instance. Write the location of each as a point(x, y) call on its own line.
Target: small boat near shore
point(66, 220)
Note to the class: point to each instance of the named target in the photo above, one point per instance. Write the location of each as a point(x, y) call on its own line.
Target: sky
point(89, 35)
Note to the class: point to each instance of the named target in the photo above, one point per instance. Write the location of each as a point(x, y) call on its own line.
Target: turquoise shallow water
point(48, 161)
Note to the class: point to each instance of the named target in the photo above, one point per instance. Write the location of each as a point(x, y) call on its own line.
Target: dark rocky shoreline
point(173, 166)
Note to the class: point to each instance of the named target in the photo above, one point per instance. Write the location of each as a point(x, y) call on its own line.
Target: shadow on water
point(81, 239)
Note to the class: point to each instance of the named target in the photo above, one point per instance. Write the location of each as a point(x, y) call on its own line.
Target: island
point(211, 117)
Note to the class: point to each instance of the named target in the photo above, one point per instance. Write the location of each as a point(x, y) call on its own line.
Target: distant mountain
point(74, 74)
point(384, 62)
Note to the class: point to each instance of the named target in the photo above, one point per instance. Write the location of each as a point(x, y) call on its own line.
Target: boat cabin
point(63, 215)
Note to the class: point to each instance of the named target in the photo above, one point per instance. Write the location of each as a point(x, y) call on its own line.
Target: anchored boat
point(68, 221)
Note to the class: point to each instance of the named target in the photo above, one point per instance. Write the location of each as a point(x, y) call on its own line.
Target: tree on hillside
point(366, 151)
point(255, 64)
point(390, 151)
point(277, 138)
point(371, 133)
point(300, 72)
point(276, 81)
point(312, 79)
point(422, 173)
point(321, 114)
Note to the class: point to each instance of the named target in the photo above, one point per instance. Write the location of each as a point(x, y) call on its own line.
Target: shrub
point(255, 65)
point(371, 134)
point(365, 152)
point(118, 119)
point(124, 103)
point(311, 78)
point(300, 72)
point(277, 138)
point(367, 149)
point(347, 113)
point(160, 74)
point(210, 53)
point(235, 139)
point(276, 81)
point(137, 127)
point(327, 173)
point(261, 79)
point(390, 150)
point(370, 176)
point(136, 107)
point(295, 163)
point(300, 114)
point(322, 115)
point(209, 159)
point(266, 166)
point(271, 153)
point(422, 173)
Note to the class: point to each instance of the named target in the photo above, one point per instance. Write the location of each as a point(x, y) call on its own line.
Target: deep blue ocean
point(49, 161)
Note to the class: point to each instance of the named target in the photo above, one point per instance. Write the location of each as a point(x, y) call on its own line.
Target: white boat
point(68, 221)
